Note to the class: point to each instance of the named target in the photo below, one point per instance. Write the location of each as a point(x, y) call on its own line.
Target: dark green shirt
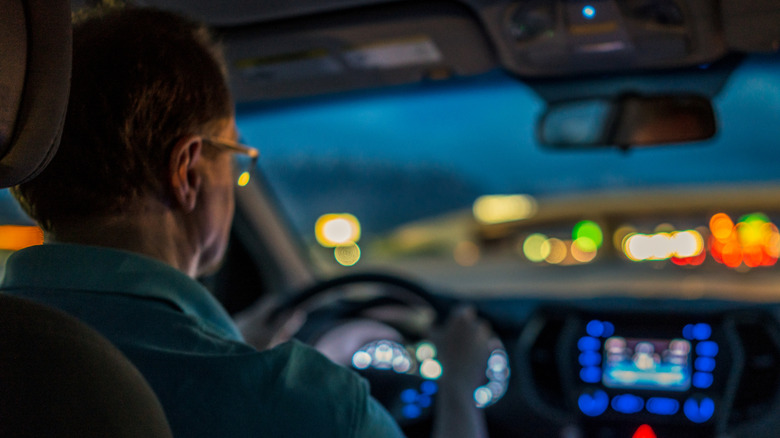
point(209, 381)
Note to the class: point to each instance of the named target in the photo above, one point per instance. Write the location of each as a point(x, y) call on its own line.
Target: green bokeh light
point(588, 230)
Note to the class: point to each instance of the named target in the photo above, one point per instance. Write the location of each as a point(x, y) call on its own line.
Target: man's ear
point(184, 177)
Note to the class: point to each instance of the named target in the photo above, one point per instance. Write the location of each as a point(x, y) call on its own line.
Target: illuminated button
point(702, 380)
point(707, 348)
point(662, 406)
point(609, 329)
point(702, 331)
point(688, 332)
point(590, 359)
point(706, 364)
point(699, 411)
point(593, 404)
point(411, 411)
point(409, 396)
point(590, 374)
point(587, 343)
point(595, 328)
point(628, 403)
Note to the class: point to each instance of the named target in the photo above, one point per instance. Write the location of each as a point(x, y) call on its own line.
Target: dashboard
point(603, 367)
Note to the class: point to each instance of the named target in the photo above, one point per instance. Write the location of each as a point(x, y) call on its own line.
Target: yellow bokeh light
point(347, 255)
point(243, 179)
point(496, 209)
point(536, 247)
point(721, 226)
point(335, 230)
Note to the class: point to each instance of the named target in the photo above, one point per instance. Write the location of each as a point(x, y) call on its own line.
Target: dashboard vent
point(544, 363)
point(761, 373)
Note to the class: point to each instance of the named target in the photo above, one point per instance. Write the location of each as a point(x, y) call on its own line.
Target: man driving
point(139, 201)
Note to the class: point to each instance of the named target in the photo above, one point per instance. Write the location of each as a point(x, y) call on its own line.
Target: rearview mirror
point(630, 120)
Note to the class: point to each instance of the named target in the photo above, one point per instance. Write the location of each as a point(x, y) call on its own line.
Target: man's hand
point(464, 345)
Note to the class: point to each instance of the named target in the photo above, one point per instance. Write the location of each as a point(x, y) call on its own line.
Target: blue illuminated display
point(591, 374)
point(707, 348)
point(702, 380)
point(589, 12)
point(662, 406)
point(593, 404)
point(587, 343)
point(628, 403)
point(699, 411)
point(706, 364)
point(647, 363)
point(590, 358)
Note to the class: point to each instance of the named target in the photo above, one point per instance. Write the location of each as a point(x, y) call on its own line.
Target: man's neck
point(154, 232)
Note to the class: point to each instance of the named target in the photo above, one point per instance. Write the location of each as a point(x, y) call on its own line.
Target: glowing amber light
point(334, 230)
point(721, 226)
point(16, 237)
point(243, 179)
point(754, 241)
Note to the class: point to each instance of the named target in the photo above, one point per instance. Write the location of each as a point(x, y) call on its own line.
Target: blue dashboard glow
point(662, 406)
point(706, 364)
point(702, 380)
point(628, 403)
point(707, 348)
point(593, 404)
point(699, 411)
point(591, 374)
point(588, 343)
point(590, 358)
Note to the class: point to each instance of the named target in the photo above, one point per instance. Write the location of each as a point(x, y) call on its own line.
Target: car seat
point(58, 377)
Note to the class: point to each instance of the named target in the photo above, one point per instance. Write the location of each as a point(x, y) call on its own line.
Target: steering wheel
point(347, 313)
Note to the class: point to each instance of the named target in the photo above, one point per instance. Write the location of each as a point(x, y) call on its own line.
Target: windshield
point(398, 179)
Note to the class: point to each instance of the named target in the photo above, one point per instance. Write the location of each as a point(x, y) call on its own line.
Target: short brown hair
point(142, 79)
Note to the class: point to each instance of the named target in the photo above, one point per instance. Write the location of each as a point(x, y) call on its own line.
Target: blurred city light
point(496, 209)
point(536, 247)
point(332, 230)
point(587, 235)
point(663, 246)
point(753, 241)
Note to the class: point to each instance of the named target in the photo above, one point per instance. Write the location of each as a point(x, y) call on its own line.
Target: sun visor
point(359, 48)
point(35, 44)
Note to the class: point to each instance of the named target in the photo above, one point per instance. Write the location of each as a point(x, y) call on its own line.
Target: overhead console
point(675, 374)
point(569, 37)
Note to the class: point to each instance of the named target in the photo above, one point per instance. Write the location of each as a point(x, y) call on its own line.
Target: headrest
point(35, 65)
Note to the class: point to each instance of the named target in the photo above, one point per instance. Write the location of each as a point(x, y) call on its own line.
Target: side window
point(17, 231)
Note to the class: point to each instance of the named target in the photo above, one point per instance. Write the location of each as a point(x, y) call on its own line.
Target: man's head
point(142, 80)
point(147, 87)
